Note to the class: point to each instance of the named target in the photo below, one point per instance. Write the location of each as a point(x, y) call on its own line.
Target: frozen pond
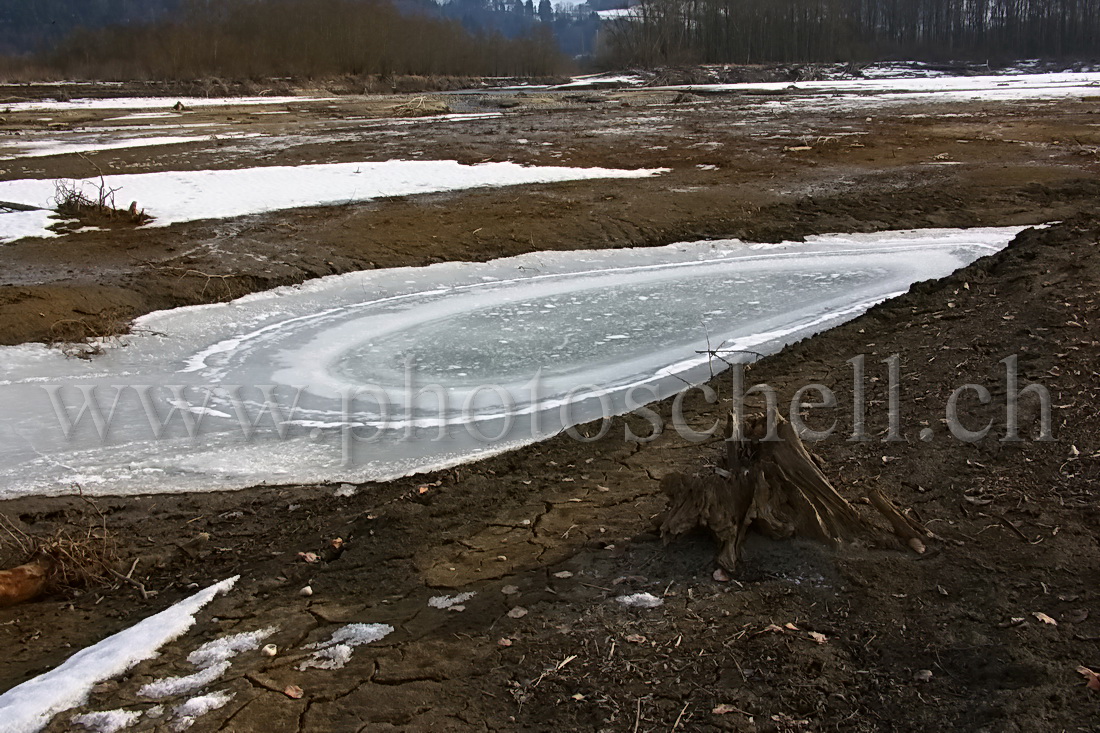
point(377, 374)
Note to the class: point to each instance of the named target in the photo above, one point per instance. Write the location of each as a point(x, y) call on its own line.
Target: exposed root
point(770, 482)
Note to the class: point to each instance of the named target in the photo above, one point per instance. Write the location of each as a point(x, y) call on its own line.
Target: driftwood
point(773, 486)
point(26, 582)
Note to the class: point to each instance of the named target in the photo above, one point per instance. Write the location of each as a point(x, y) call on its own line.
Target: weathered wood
point(775, 486)
point(904, 527)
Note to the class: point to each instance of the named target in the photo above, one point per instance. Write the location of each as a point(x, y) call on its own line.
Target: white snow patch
point(879, 90)
point(180, 196)
point(172, 686)
point(155, 103)
point(337, 650)
point(598, 79)
point(108, 721)
point(343, 491)
point(30, 706)
point(640, 600)
point(227, 647)
point(442, 602)
point(19, 224)
point(44, 148)
point(617, 13)
point(186, 714)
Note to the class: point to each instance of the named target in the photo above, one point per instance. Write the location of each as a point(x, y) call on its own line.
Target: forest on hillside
point(661, 32)
point(190, 39)
point(299, 38)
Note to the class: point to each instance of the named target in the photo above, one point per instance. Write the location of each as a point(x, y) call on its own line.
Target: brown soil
point(1015, 519)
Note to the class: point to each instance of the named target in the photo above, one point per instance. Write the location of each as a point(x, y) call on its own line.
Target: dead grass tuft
point(77, 557)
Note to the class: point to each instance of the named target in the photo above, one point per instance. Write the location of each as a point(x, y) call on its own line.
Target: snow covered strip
point(180, 196)
point(30, 706)
point(52, 105)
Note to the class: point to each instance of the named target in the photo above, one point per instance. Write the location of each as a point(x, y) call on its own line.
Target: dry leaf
point(772, 628)
point(790, 626)
point(578, 697)
point(1092, 678)
point(310, 557)
point(1044, 618)
point(504, 641)
point(293, 692)
point(818, 637)
point(724, 709)
point(517, 612)
point(563, 575)
point(510, 590)
point(636, 639)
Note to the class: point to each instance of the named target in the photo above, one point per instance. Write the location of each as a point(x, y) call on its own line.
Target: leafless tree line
point(299, 38)
point(661, 32)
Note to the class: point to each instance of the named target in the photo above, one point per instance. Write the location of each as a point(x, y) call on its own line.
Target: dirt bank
point(562, 528)
point(738, 168)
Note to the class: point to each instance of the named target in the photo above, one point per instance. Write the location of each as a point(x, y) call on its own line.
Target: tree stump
point(774, 486)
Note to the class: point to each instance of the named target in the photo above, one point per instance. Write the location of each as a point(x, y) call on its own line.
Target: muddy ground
point(562, 528)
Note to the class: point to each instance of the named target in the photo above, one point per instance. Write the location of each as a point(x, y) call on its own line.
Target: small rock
point(564, 574)
point(306, 592)
point(504, 641)
point(721, 576)
point(517, 612)
point(510, 590)
point(269, 650)
point(924, 675)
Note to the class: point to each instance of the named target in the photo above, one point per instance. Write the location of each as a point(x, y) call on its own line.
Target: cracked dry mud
point(1017, 519)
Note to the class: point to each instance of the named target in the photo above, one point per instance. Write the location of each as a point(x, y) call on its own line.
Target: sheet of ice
point(163, 103)
point(336, 651)
point(17, 148)
point(108, 721)
point(179, 196)
point(30, 706)
point(378, 374)
point(187, 714)
point(925, 88)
